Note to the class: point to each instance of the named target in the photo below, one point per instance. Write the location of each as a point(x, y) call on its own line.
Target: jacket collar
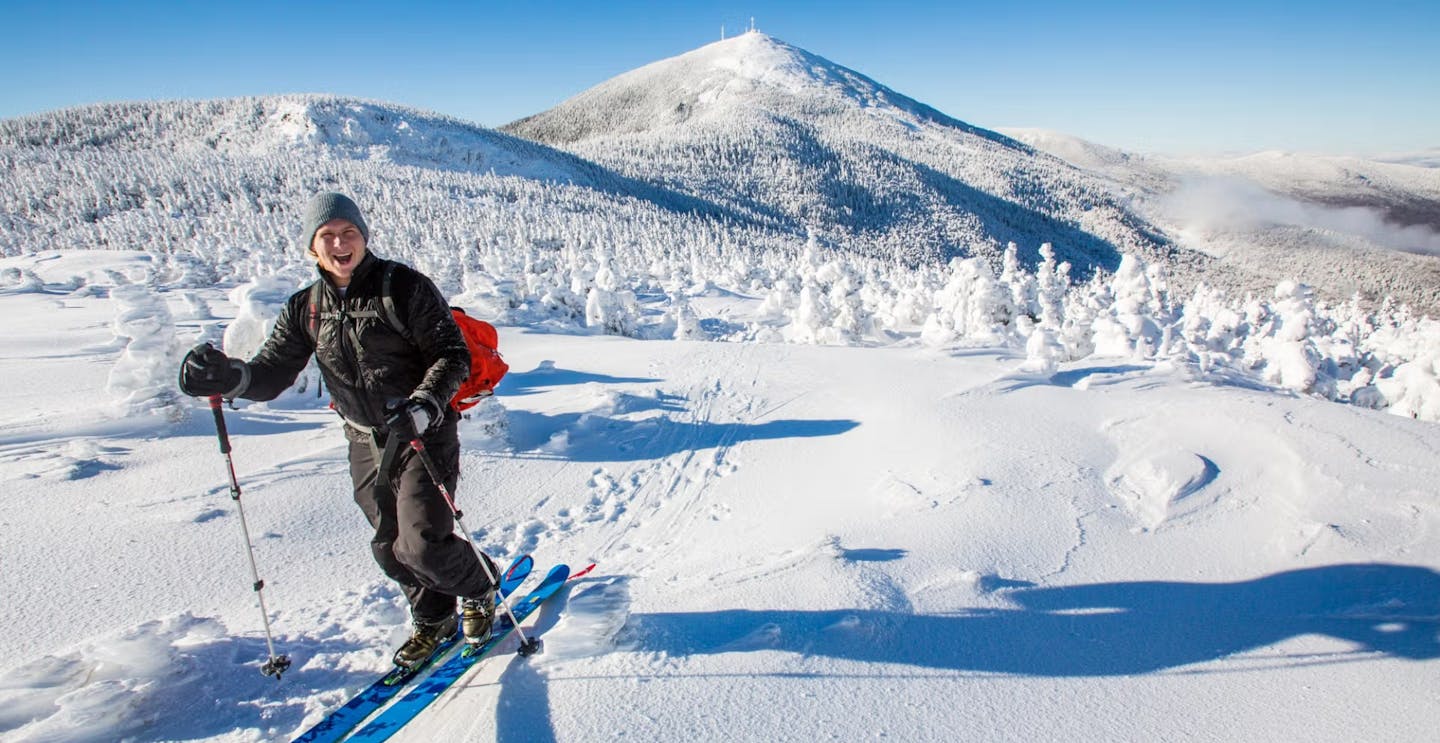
point(367, 264)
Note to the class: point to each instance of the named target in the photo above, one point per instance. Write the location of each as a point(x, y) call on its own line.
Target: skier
point(390, 387)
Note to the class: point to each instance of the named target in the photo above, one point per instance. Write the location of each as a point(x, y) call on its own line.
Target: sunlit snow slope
point(901, 542)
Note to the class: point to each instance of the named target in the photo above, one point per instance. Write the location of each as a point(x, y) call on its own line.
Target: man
point(391, 382)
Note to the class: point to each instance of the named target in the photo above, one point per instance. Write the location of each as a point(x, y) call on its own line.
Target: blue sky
point(1206, 77)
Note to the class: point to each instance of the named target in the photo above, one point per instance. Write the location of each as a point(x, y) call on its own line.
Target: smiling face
point(338, 246)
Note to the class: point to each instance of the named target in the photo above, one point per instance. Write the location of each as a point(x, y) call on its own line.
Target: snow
point(912, 541)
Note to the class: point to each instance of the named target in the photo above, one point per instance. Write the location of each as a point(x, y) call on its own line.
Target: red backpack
point(486, 365)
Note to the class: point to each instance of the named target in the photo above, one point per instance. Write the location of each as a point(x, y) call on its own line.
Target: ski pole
point(528, 646)
point(277, 664)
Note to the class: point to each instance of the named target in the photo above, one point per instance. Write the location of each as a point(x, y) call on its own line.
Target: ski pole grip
point(215, 407)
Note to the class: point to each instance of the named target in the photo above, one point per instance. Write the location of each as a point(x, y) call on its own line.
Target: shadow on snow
point(546, 375)
point(588, 437)
point(1108, 629)
point(1386, 611)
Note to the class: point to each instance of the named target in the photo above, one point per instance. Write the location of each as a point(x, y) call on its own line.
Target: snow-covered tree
point(609, 306)
point(1133, 324)
point(143, 377)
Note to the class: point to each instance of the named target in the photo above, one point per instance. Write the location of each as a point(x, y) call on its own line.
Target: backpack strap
point(317, 293)
point(387, 301)
point(387, 311)
point(317, 314)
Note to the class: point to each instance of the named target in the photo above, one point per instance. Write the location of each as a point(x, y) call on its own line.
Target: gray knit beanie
point(325, 207)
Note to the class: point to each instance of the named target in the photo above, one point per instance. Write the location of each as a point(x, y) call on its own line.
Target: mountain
point(747, 146)
point(1344, 225)
point(212, 185)
point(810, 146)
point(337, 127)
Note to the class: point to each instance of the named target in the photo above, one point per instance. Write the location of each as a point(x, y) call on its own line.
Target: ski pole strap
point(386, 455)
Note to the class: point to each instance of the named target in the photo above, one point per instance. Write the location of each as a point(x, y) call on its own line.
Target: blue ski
point(407, 707)
point(340, 722)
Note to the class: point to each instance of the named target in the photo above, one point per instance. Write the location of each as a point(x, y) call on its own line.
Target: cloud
point(1230, 204)
point(1423, 159)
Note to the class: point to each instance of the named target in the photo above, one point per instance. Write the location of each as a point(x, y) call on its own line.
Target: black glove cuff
point(432, 406)
point(238, 378)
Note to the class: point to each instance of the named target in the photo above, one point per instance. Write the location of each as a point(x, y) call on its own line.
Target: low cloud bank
point(1224, 204)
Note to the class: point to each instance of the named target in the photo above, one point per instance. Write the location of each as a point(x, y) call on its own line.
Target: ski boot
point(426, 637)
point(477, 615)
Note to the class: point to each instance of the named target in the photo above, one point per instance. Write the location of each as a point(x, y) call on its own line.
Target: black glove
point(410, 419)
point(207, 371)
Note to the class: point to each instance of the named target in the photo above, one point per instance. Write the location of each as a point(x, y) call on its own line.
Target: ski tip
point(582, 571)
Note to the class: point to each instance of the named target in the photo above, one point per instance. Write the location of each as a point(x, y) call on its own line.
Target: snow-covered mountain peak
point(752, 55)
point(754, 60)
point(739, 78)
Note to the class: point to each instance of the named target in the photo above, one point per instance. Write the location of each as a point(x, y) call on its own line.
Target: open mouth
point(343, 260)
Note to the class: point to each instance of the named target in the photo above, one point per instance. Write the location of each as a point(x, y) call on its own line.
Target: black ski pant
point(415, 541)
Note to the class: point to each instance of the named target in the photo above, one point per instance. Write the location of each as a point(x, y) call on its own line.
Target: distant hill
point(1344, 225)
point(211, 184)
point(807, 145)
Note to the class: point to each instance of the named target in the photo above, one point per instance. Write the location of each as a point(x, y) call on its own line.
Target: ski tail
point(514, 575)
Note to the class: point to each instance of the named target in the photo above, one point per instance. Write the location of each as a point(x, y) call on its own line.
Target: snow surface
point(794, 541)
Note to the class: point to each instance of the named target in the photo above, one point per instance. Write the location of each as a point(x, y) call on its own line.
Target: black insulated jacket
point(365, 362)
